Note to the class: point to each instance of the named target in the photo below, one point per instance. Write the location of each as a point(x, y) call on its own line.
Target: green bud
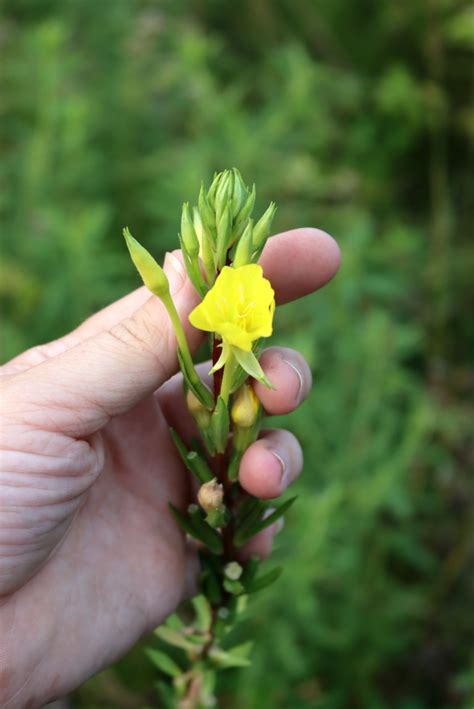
point(150, 271)
point(188, 234)
point(223, 194)
point(262, 227)
point(211, 195)
point(240, 193)
point(244, 250)
point(206, 212)
point(206, 243)
point(245, 212)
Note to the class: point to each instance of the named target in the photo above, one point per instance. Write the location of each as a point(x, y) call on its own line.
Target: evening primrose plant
point(221, 245)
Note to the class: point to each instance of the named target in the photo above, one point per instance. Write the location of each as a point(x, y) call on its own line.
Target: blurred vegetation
point(353, 117)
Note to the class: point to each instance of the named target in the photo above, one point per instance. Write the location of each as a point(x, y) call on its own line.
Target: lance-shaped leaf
point(189, 642)
point(250, 512)
point(250, 571)
point(243, 535)
point(203, 611)
point(194, 462)
point(235, 657)
point(263, 581)
point(196, 527)
point(163, 662)
point(208, 535)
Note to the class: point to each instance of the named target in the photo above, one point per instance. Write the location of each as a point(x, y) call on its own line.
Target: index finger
point(299, 261)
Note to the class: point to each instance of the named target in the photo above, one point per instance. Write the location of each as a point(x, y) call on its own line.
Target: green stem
point(180, 336)
point(229, 369)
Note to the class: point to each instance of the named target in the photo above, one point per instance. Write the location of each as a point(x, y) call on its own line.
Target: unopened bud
point(244, 250)
point(262, 228)
point(224, 193)
point(188, 233)
point(198, 411)
point(211, 495)
point(233, 570)
point(239, 194)
point(245, 407)
point(150, 271)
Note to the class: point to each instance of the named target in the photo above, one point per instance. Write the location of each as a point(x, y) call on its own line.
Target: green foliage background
point(353, 117)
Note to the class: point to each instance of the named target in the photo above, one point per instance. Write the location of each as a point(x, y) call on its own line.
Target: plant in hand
point(221, 245)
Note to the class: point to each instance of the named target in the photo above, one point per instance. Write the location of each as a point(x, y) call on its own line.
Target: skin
point(90, 558)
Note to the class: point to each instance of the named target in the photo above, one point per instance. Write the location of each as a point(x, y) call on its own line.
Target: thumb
point(78, 391)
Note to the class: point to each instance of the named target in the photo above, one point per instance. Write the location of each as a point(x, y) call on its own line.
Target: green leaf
point(263, 581)
point(199, 467)
point(190, 643)
point(163, 662)
point(251, 365)
point(207, 534)
point(235, 657)
point(174, 621)
point(203, 611)
point(243, 535)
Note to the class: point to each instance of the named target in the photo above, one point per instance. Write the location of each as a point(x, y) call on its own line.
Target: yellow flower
point(239, 307)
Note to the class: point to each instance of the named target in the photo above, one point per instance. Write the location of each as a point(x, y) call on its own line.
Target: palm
point(121, 562)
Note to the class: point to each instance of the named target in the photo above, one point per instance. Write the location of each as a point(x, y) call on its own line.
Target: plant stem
point(180, 336)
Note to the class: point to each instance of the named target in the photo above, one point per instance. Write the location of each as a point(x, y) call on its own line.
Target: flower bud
point(244, 250)
point(211, 194)
point(245, 407)
point(262, 228)
point(245, 212)
point(224, 193)
point(240, 193)
point(188, 233)
point(233, 570)
point(211, 495)
point(207, 213)
point(198, 411)
point(151, 273)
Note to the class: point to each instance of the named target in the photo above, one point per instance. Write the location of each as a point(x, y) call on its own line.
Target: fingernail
point(283, 470)
point(300, 392)
point(174, 267)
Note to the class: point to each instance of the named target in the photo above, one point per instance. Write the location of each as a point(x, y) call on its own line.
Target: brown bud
point(211, 495)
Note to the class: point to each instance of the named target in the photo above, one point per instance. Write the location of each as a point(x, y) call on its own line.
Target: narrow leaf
point(263, 581)
point(163, 662)
point(203, 611)
point(243, 535)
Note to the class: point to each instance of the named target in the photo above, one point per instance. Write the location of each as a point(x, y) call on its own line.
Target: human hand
point(90, 557)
